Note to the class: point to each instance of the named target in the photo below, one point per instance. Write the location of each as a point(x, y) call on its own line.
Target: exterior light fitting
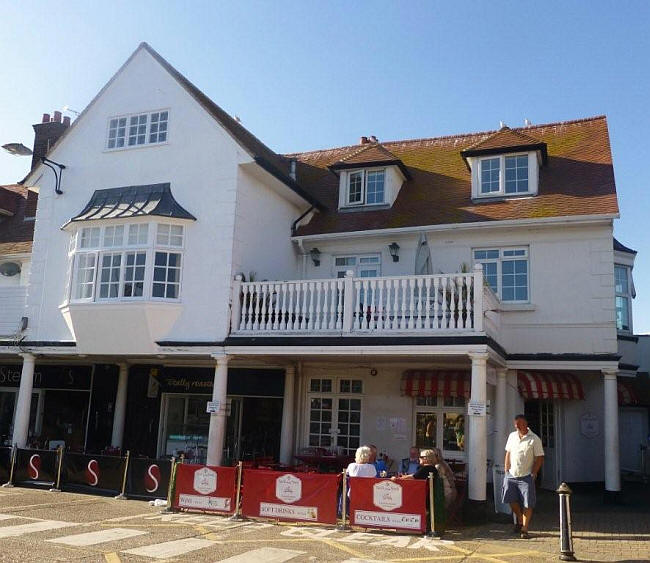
point(394, 251)
point(18, 149)
point(315, 256)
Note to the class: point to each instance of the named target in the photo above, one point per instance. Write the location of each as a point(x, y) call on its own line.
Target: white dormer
point(505, 164)
point(370, 177)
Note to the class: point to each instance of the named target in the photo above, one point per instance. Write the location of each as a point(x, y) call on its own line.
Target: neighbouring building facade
point(397, 293)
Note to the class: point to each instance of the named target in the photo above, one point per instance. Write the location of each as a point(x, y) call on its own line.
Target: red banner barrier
point(382, 503)
point(209, 488)
point(290, 496)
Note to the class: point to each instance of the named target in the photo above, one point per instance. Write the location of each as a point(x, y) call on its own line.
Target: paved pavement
point(38, 525)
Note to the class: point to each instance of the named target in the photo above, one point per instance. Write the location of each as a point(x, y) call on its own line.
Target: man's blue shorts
point(520, 490)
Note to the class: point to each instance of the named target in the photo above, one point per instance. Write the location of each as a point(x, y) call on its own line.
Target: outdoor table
point(326, 463)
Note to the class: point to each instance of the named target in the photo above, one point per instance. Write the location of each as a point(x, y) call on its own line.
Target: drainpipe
point(294, 225)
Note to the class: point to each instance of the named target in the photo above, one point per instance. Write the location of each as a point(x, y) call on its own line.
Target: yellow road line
point(111, 557)
point(337, 545)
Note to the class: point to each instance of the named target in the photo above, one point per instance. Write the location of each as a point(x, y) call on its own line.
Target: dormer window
point(504, 175)
point(366, 187)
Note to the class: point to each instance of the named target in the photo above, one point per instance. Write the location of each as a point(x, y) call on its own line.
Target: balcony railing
point(431, 304)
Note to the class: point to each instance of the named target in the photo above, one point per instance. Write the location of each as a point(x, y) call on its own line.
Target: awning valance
point(549, 385)
point(627, 395)
point(435, 383)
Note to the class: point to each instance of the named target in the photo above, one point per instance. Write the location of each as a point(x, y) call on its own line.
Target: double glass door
point(440, 423)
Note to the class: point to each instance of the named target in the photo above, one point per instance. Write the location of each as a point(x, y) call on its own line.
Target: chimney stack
point(363, 141)
point(47, 133)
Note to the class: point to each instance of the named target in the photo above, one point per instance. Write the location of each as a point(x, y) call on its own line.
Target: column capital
point(28, 357)
point(502, 372)
point(123, 365)
point(290, 368)
point(609, 373)
point(478, 357)
point(221, 359)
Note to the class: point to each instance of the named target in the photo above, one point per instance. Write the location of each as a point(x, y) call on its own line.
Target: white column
point(477, 446)
point(612, 460)
point(21, 422)
point(218, 420)
point(500, 418)
point(286, 434)
point(119, 414)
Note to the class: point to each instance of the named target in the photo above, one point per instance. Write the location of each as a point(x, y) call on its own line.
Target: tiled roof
point(503, 138)
point(16, 234)
point(367, 155)
point(577, 180)
point(133, 201)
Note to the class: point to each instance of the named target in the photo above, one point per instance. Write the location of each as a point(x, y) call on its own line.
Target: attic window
point(139, 129)
point(505, 175)
point(366, 187)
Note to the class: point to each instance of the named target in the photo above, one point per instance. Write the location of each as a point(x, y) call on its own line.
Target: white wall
point(201, 162)
point(571, 280)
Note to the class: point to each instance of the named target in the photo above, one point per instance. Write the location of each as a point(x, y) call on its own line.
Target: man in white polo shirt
point(524, 458)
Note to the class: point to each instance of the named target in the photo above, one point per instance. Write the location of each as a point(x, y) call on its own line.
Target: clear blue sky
point(305, 75)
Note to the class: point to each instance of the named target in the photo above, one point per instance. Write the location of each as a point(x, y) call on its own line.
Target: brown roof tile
point(577, 180)
point(16, 234)
point(504, 138)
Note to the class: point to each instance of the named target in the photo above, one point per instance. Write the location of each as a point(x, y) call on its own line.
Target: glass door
point(440, 423)
point(185, 427)
point(541, 417)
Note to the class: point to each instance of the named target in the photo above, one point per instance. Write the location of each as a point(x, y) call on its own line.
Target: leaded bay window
point(137, 129)
point(123, 262)
point(506, 272)
point(623, 297)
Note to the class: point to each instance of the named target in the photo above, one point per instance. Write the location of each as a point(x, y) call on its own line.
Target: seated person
point(411, 463)
point(380, 464)
point(362, 466)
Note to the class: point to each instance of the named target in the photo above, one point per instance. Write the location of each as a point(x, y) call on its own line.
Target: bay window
point(123, 262)
point(623, 297)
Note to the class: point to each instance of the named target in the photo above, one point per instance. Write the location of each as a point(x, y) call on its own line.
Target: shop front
point(180, 423)
point(59, 405)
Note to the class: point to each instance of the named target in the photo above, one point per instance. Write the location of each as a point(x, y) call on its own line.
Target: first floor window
point(622, 287)
point(505, 271)
point(109, 276)
point(363, 266)
point(167, 275)
point(134, 274)
point(85, 276)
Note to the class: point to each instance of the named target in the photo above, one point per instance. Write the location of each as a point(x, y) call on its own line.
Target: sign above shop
point(48, 376)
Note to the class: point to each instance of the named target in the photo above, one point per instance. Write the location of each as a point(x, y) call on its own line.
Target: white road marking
point(19, 530)
point(8, 516)
point(102, 536)
point(266, 554)
point(170, 548)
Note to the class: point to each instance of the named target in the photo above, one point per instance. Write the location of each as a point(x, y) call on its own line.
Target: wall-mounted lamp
point(394, 251)
point(315, 256)
point(18, 149)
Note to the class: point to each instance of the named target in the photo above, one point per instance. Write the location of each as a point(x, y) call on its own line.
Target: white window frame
point(147, 132)
point(439, 412)
point(147, 245)
point(627, 295)
point(334, 395)
point(476, 164)
point(499, 262)
point(364, 187)
point(357, 268)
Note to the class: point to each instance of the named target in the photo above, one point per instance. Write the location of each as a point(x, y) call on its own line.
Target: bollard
point(432, 507)
point(566, 541)
point(236, 515)
point(10, 483)
point(171, 488)
point(57, 485)
point(122, 495)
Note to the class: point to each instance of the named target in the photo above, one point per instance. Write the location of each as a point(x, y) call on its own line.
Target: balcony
point(12, 308)
point(441, 304)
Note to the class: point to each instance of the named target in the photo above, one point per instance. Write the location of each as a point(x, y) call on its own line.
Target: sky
point(306, 75)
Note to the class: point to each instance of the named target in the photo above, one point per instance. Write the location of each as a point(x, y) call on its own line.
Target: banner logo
point(387, 495)
point(152, 478)
point(288, 488)
point(92, 473)
point(205, 481)
point(34, 466)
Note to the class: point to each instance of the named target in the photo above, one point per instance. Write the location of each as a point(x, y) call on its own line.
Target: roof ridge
point(456, 135)
point(366, 147)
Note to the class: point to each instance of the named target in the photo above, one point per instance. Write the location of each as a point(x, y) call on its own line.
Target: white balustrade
point(439, 303)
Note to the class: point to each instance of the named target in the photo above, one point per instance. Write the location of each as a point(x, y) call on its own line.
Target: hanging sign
point(208, 488)
point(308, 497)
point(476, 408)
point(148, 478)
point(100, 473)
point(213, 406)
point(36, 467)
point(382, 503)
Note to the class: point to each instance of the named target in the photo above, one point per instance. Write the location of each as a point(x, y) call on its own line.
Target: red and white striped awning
point(626, 393)
point(549, 385)
point(434, 383)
